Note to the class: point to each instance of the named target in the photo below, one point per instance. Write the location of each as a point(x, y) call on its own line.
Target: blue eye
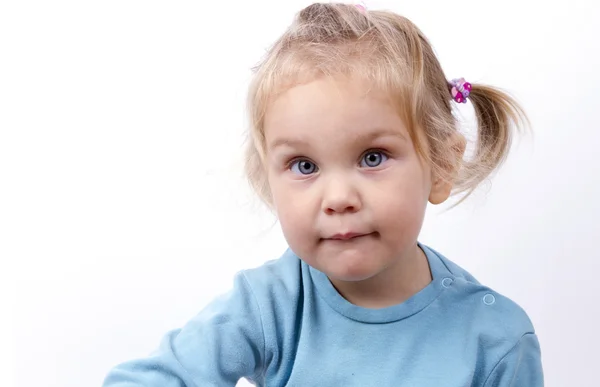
point(373, 159)
point(303, 167)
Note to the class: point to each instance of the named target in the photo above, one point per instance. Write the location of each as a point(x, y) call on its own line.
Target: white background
point(124, 209)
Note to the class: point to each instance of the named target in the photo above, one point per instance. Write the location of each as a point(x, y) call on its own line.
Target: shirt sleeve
point(219, 346)
point(520, 367)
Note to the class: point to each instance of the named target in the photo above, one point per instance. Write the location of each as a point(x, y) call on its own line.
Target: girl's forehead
point(325, 111)
point(328, 102)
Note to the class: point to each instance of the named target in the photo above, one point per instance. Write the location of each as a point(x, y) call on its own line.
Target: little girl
point(352, 135)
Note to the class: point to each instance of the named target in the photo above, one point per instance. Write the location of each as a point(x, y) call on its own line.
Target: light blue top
point(284, 324)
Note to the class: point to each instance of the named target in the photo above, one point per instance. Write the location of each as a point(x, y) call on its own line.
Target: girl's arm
point(520, 367)
point(222, 344)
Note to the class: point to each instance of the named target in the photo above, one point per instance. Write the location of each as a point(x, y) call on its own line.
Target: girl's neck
point(398, 283)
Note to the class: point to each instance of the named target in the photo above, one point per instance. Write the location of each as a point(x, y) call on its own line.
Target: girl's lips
point(346, 236)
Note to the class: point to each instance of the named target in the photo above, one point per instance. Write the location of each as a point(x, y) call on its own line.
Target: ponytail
point(498, 115)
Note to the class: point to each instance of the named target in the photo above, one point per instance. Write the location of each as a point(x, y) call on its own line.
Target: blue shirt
point(284, 324)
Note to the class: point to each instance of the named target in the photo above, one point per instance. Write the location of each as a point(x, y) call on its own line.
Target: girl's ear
point(442, 187)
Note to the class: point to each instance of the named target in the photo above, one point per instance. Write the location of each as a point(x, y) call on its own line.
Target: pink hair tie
point(361, 6)
point(460, 90)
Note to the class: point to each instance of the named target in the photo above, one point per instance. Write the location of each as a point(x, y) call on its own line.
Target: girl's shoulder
point(483, 307)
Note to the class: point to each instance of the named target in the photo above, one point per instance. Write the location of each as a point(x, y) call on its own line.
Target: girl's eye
point(373, 159)
point(303, 167)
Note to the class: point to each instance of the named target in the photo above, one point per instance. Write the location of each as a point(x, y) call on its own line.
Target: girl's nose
point(340, 196)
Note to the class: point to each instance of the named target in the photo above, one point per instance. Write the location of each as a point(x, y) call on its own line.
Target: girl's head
point(352, 132)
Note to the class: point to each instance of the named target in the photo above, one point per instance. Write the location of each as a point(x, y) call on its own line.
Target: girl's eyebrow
point(290, 142)
point(380, 132)
point(371, 135)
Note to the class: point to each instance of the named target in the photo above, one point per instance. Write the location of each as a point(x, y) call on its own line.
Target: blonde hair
point(392, 54)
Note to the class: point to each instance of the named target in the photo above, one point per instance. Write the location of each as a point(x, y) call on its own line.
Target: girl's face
point(348, 186)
